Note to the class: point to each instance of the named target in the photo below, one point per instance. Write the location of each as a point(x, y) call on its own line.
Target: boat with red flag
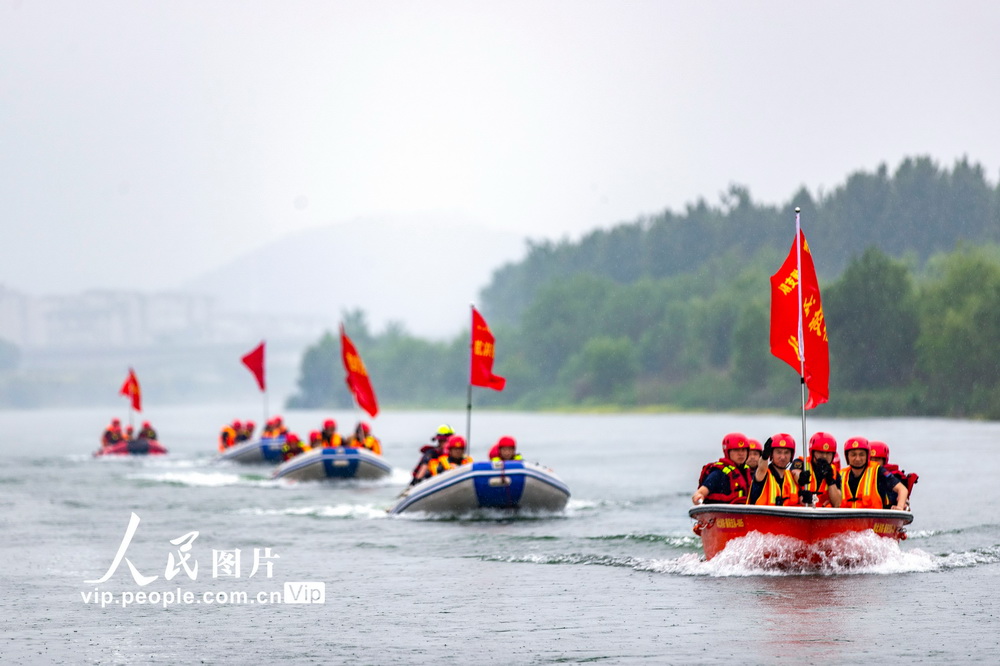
point(815, 528)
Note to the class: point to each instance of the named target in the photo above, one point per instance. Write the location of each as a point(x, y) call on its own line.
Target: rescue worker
point(818, 479)
point(429, 452)
point(227, 437)
point(363, 438)
point(237, 426)
point(773, 483)
point(331, 438)
point(129, 433)
point(315, 440)
point(279, 427)
point(112, 434)
point(454, 456)
point(880, 454)
point(505, 449)
point(725, 481)
point(248, 429)
point(293, 446)
point(147, 431)
point(864, 482)
point(754, 449)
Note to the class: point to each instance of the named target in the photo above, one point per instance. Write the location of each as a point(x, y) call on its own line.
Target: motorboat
point(719, 524)
point(341, 462)
point(254, 452)
point(514, 484)
point(132, 447)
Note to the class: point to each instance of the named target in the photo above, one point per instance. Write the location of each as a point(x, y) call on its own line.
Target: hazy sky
point(144, 142)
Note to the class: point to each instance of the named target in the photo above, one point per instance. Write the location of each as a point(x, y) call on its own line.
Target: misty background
point(179, 181)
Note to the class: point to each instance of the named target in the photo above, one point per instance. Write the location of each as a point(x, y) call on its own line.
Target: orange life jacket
point(785, 494)
point(739, 489)
point(369, 443)
point(443, 463)
point(331, 440)
point(867, 496)
point(227, 438)
point(820, 491)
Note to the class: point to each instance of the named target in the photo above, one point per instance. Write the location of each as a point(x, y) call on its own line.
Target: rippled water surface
point(618, 577)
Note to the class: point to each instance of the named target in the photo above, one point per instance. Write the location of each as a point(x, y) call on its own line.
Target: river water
point(618, 577)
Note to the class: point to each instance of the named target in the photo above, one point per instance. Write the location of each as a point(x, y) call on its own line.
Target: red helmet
point(506, 440)
point(754, 445)
point(329, 423)
point(115, 422)
point(857, 443)
point(783, 441)
point(292, 438)
point(277, 420)
point(879, 450)
point(822, 441)
point(314, 436)
point(250, 424)
point(456, 442)
point(145, 424)
point(734, 440)
point(238, 425)
point(365, 428)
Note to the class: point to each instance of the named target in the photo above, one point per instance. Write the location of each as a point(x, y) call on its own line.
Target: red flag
point(130, 389)
point(786, 316)
point(255, 361)
point(482, 355)
point(357, 376)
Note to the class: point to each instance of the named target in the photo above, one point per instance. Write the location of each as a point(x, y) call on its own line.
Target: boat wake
point(204, 479)
point(772, 555)
point(363, 511)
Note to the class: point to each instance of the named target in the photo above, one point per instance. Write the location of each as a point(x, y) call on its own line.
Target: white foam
point(200, 479)
point(365, 511)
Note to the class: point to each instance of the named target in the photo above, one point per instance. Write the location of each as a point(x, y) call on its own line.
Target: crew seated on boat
point(429, 452)
point(363, 438)
point(315, 440)
point(505, 449)
point(773, 484)
point(112, 434)
point(819, 478)
point(129, 433)
point(329, 435)
point(880, 455)
point(238, 428)
point(293, 446)
point(725, 481)
point(454, 456)
point(864, 483)
point(754, 449)
point(147, 431)
point(227, 437)
point(247, 432)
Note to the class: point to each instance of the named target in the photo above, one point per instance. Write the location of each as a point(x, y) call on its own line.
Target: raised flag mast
point(481, 351)
point(802, 342)
point(789, 332)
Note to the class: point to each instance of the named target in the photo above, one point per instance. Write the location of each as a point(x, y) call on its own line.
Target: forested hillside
point(672, 311)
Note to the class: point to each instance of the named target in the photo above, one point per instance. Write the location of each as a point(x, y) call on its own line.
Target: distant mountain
point(418, 272)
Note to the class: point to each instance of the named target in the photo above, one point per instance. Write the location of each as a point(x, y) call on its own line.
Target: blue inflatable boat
point(254, 452)
point(334, 463)
point(515, 484)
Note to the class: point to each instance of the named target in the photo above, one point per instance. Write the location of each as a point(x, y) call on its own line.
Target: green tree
point(959, 343)
point(873, 323)
point(604, 368)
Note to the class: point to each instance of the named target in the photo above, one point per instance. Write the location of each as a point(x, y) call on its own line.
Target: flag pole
point(468, 409)
point(802, 350)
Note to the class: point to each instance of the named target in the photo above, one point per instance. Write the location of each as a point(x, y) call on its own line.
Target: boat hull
point(333, 464)
point(718, 524)
point(135, 447)
point(254, 452)
point(486, 485)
